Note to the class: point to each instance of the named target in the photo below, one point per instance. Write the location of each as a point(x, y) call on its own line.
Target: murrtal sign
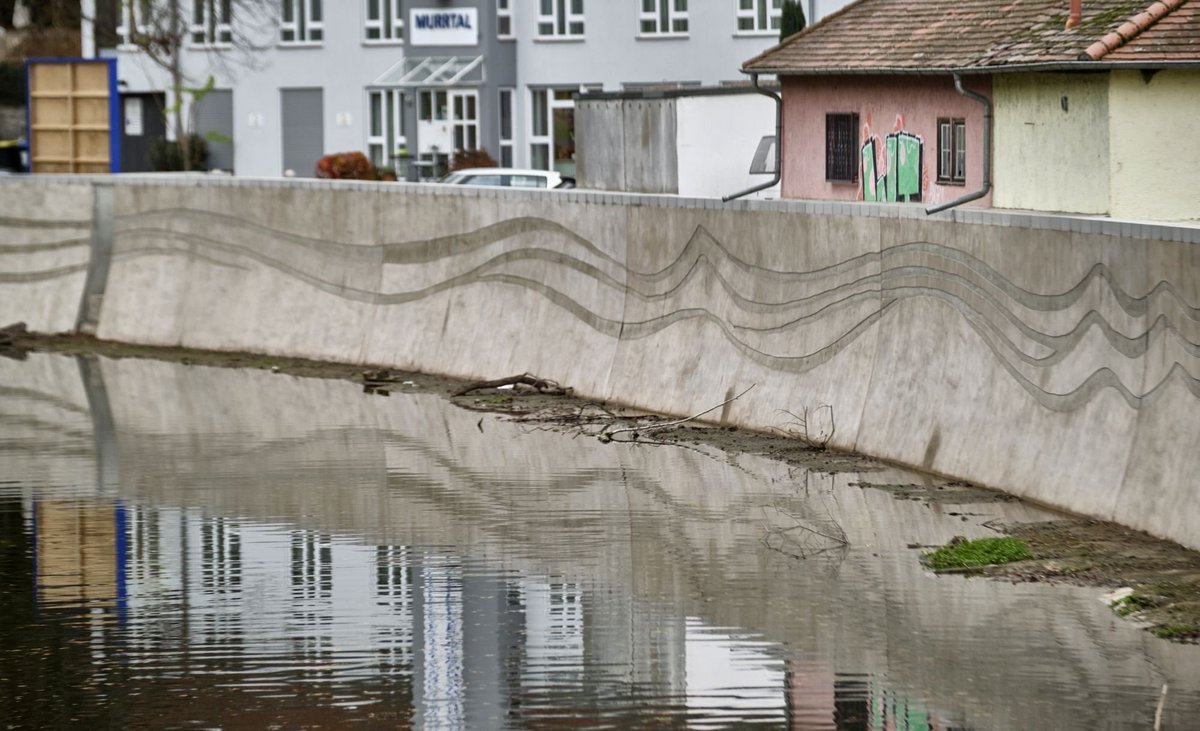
point(443, 27)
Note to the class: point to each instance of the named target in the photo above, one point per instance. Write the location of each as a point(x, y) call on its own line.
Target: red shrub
point(346, 166)
point(465, 159)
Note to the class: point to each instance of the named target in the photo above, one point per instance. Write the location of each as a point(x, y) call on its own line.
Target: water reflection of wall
point(308, 501)
point(48, 426)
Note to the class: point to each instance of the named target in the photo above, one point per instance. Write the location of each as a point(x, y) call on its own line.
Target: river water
point(190, 547)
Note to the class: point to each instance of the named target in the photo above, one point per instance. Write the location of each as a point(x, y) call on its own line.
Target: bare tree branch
point(609, 436)
point(224, 33)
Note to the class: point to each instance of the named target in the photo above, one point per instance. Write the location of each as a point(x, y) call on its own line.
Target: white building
point(427, 76)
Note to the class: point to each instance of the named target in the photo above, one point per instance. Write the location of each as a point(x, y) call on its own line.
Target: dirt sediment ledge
point(1153, 582)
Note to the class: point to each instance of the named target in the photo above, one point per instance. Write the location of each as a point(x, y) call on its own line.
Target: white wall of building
point(612, 53)
point(717, 137)
point(342, 66)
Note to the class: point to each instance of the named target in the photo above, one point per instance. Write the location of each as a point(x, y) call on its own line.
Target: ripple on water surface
point(200, 548)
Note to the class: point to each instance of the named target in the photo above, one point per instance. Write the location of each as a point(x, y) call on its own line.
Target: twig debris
point(541, 385)
point(636, 432)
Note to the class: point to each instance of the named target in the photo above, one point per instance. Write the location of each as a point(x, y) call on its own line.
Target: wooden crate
point(71, 119)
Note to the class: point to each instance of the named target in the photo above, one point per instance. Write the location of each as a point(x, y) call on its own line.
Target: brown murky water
point(191, 547)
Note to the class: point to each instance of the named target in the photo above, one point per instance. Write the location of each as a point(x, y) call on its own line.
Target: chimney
point(1076, 14)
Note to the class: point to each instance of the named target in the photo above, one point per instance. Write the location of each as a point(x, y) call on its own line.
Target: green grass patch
point(982, 552)
point(494, 400)
point(1177, 631)
point(1133, 604)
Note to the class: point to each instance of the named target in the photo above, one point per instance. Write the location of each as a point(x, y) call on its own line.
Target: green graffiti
point(901, 180)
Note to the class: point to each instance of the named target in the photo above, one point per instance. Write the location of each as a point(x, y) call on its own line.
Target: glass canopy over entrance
point(433, 71)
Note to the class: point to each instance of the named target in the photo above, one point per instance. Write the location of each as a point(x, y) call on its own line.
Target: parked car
point(509, 178)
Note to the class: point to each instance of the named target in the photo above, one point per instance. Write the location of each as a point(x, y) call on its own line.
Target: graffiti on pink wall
point(893, 168)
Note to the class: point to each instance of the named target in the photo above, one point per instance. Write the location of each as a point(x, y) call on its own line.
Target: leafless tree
point(227, 33)
point(799, 426)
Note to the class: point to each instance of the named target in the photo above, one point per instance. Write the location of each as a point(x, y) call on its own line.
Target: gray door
point(214, 122)
point(303, 130)
point(142, 125)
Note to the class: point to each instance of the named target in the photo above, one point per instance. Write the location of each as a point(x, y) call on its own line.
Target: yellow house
point(1074, 106)
point(1123, 142)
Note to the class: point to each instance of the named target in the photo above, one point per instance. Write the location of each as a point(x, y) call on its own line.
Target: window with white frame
point(385, 131)
point(301, 22)
point(384, 21)
point(663, 18)
point(211, 22)
point(552, 129)
point(759, 16)
point(560, 19)
point(134, 17)
point(506, 128)
point(504, 19)
point(464, 107)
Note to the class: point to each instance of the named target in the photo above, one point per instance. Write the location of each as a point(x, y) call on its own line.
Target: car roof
point(505, 171)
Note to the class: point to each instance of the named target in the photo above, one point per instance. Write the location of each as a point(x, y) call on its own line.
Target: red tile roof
point(915, 36)
point(1175, 37)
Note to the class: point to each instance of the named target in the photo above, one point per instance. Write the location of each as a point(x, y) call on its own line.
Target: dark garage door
point(214, 113)
point(303, 130)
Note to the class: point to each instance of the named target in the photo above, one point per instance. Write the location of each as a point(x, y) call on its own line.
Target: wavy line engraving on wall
point(1030, 333)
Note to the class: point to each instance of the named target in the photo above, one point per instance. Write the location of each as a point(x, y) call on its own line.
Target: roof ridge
point(1130, 29)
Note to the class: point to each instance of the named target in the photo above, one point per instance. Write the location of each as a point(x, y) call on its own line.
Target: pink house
point(1005, 103)
point(877, 138)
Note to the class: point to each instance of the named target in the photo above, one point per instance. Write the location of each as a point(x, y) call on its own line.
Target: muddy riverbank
point(1163, 578)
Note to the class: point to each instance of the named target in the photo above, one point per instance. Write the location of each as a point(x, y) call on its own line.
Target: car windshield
point(528, 181)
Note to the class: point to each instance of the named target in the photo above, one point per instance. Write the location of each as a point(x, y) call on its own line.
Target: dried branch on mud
point(800, 422)
point(541, 385)
point(636, 432)
point(378, 381)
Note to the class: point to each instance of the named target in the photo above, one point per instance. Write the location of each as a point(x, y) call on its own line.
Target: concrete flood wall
point(1050, 357)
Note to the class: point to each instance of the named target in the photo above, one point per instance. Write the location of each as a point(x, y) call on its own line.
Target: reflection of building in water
point(735, 677)
point(444, 642)
point(78, 552)
point(553, 634)
point(394, 581)
point(442, 689)
point(821, 700)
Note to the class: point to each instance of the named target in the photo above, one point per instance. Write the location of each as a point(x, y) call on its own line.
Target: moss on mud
point(963, 554)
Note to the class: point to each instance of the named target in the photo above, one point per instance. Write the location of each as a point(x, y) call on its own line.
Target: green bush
point(961, 554)
point(165, 155)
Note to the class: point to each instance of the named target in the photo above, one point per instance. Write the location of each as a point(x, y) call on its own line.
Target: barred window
point(841, 147)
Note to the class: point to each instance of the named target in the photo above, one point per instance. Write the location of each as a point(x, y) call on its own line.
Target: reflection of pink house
point(1064, 94)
